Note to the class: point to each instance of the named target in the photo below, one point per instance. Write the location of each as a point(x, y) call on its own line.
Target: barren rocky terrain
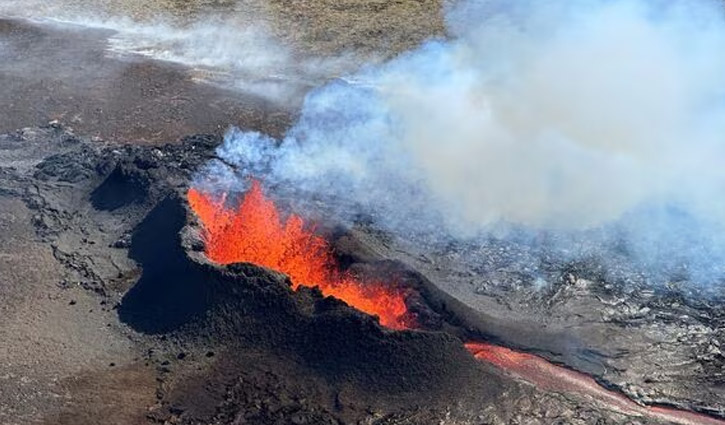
point(114, 315)
point(111, 313)
point(66, 74)
point(70, 72)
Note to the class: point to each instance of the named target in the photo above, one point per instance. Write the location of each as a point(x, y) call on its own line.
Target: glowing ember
point(255, 233)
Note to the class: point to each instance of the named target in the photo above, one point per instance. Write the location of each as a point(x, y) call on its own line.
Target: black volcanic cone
point(208, 308)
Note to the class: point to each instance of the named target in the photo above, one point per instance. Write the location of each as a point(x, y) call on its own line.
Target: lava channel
point(550, 377)
point(254, 232)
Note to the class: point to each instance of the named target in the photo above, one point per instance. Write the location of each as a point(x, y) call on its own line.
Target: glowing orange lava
point(551, 377)
point(254, 232)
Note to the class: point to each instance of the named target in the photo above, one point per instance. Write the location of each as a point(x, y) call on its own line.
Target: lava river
point(550, 377)
point(254, 231)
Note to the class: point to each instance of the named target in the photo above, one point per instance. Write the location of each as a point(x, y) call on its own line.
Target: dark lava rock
point(122, 187)
point(240, 306)
point(257, 352)
point(124, 242)
point(71, 167)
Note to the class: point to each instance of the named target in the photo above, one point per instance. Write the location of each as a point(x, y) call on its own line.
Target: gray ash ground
point(65, 72)
point(111, 314)
point(659, 344)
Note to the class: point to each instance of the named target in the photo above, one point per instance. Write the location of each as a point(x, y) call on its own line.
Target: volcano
point(254, 233)
point(244, 310)
point(361, 212)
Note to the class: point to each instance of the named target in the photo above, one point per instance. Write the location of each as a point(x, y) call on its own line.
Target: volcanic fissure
point(254, 231)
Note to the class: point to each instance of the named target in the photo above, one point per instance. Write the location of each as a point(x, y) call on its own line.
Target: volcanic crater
point(176, 337)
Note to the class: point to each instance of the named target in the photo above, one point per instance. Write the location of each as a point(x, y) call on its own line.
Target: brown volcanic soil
point(373, 27)
point(65, 74)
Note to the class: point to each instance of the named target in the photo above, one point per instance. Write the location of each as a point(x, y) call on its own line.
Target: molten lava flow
point(551, 377)
point(255, 233)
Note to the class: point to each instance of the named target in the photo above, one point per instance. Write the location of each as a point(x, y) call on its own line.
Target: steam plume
point(595, 119)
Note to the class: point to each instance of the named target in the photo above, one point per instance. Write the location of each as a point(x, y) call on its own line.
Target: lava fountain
point(255, 232)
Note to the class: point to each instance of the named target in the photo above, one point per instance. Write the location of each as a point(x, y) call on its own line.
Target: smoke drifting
point(232, 48)
point(597, 120)
point(225, 51)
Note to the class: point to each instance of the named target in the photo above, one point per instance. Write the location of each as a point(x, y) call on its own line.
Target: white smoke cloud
point(541, 114)
point(571, 122)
